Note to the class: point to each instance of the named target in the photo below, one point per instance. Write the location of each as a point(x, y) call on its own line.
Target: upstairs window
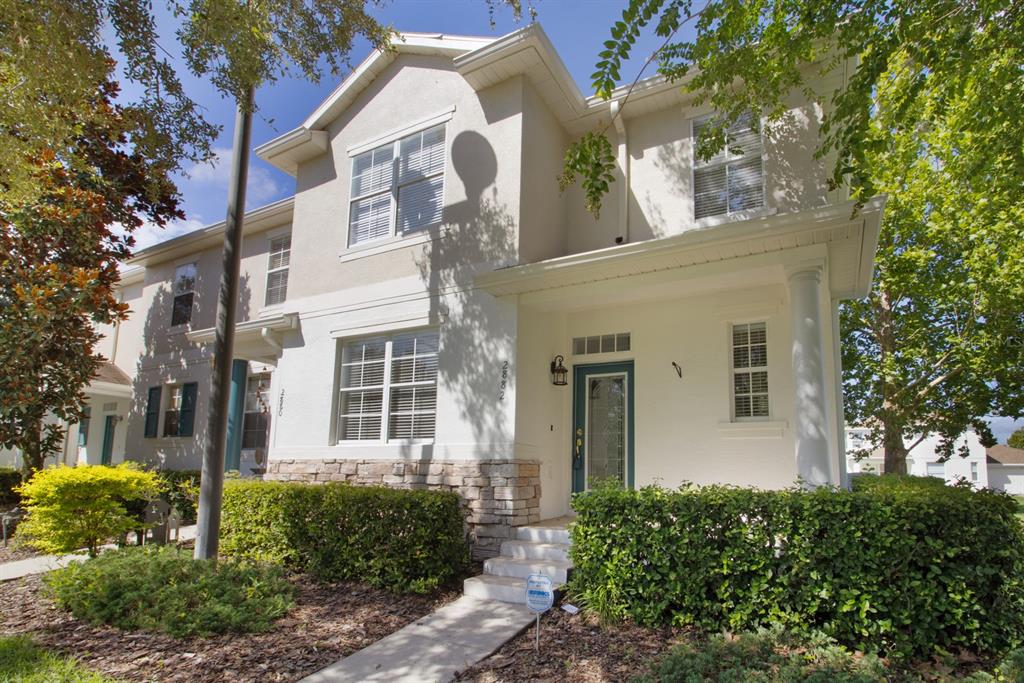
point(733, 179)
point(388, 388)
point(750, 371)
point(184, 291)
point(277, 270)
point(398, 187)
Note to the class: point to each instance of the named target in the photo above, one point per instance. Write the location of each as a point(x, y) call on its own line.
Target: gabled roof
point(1001, 454)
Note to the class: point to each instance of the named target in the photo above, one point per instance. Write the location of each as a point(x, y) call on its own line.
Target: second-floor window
point(397, 188)
point(733, 179)
point(179, 416)
point(277, 270)
point(184, 292)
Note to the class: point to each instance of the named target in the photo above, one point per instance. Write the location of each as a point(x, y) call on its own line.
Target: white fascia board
point(270, 215)
point(277, 323)
point(287, 151)
point(872, 211)
point(109, 389)
point(528, 277)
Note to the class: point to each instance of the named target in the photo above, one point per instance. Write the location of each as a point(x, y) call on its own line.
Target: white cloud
point(149, 233)
point(1002, 427)
point(262, 186)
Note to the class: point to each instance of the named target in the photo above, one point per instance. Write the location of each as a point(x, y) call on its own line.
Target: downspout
point(270, 341)
point(623, 157)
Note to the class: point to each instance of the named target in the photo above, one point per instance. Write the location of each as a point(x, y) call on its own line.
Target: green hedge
point(390, 538)
point(181, 489)
point(894, 570)
point(10, 479)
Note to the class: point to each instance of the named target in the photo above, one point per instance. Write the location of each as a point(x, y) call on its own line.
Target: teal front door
point(602, 443)
point(108, 439)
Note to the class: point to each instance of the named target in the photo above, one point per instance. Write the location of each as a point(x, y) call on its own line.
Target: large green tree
point(929, 112)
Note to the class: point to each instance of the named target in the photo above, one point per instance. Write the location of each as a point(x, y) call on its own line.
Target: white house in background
point(429, 311)
point(1006, 469)
point(923, 459)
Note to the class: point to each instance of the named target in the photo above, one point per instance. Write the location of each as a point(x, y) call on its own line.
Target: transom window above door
point(397, 188)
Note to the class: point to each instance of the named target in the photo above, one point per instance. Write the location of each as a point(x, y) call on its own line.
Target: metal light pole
point(211, 485)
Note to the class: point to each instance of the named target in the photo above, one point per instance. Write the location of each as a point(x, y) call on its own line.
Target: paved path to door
point(47, 563)
point(434, 648)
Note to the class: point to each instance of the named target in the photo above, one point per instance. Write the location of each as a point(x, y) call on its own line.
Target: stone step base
point(500, 588)
point(557, 571)
point(543, 534)
point(527, 550)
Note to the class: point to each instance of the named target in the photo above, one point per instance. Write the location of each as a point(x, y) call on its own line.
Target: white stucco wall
point(1008, 478)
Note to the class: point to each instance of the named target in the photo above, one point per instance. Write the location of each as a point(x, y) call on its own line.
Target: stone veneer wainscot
point(497, 495)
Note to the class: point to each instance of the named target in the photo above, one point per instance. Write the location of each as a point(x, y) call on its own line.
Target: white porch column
point(811, 417)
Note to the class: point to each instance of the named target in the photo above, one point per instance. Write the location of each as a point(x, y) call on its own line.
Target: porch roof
point(851, 236)
point(257, 340)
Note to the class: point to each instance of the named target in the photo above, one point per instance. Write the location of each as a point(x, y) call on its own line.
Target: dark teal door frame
point(109, 425)
point(578, 444)
point(236, 415)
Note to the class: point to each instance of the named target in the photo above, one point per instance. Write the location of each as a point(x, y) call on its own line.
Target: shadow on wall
point(478, 337)
point(168, 357)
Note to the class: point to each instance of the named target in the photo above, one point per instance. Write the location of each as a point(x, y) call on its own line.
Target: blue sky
point(576, 27)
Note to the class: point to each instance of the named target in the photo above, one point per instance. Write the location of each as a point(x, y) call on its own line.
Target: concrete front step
point(543, 534)
point(500, 588)
point(528, 550)
point(557, 571)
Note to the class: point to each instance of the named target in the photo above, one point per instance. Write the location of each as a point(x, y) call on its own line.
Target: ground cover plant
point(70, 508)
point(165, 589)
point(401, 540)
point(22, 661)
point(904, 570)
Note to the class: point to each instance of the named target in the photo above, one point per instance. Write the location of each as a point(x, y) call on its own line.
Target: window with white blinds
point(750, 370)
point(399, 373)
point(733, 179)
point(277, 270)
point(398, 188)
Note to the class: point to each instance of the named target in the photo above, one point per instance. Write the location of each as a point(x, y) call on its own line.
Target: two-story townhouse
point(451, 320)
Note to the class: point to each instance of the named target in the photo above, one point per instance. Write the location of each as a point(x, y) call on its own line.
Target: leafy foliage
point(1016, 439)
point(769, 656)
point(406, 541)
point(180, 488)
point(70, 508)
point(164, 589)
point(901, 570)
point(591, 158)
point(22, 661)
point(10, 479)
point(896, 482)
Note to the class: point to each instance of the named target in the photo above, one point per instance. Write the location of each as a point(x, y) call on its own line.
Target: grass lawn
point(22, 661)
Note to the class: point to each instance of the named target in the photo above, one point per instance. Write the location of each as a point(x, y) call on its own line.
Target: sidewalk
point(47, 563)
point(434, 648)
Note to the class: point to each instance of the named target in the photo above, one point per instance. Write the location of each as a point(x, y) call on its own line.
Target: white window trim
point(385, 394)
point(270, 271)
point(743, 214)
point(760, 419)
point(403, 132)
point(183, 327)
point(394, 239)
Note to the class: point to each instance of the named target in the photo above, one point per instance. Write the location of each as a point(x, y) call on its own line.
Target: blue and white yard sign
point(540, 594)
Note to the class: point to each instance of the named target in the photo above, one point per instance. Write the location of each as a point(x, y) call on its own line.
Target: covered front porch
point(707, 357)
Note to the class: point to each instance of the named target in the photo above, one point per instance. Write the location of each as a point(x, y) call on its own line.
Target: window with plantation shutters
point(277, 270)
point(398, 188)
point(750, 371)
point(733, 179)
point(388, 388)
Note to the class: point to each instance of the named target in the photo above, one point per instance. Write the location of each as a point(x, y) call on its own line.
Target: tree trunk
point(32, 456)
point(892, 433)
point(895, 449)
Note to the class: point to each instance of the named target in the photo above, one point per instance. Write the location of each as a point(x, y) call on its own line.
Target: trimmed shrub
point(768, 656)
point(402, 540)
point(903, 571)
point(70, 508)
point(10, 479)
point(872, 482)
point(181, 489)
point(164, 589)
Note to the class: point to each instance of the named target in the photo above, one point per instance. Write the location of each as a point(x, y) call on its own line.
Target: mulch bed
point(329, 621)
point(13, 552)
point(575, 648)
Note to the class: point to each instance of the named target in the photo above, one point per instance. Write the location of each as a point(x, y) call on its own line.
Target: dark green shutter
point(187, 415)
point(152, 412)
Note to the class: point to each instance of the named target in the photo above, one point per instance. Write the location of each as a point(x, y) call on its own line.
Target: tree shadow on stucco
point(168, 356)
point(478, 334)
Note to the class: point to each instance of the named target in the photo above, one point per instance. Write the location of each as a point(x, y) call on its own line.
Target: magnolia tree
point(929, 113)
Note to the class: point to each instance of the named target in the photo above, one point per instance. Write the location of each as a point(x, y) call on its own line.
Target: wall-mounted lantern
point(558, 372)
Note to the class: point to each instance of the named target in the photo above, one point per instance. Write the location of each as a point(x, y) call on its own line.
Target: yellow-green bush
point(903, 570)
point(70, 508)
point(396, 539)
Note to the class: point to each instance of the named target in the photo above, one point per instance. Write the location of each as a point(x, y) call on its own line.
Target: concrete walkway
point(47, 563)
point(434, 648)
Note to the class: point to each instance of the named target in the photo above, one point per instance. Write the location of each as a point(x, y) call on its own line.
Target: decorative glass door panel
point(602, 433)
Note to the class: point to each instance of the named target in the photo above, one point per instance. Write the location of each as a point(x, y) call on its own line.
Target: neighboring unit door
point(602, 444)
point(108, 439)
